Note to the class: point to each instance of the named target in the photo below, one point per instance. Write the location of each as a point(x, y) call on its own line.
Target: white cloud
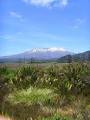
point(78, 22)
point(47, 3)
point(16, 15)
point(41, 2)
point(64, 2)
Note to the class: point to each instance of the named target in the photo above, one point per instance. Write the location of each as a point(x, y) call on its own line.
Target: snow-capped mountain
point(40, 54)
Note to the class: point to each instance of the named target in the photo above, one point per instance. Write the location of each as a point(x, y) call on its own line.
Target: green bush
point(25, 77)
point(74, 73)
point(73, 77)
point(6, 84)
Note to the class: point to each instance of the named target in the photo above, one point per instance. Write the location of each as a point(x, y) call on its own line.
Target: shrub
point(5, 83)
point(72, 77)
point(26, 76)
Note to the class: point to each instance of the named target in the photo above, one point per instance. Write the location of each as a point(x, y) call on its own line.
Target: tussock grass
point(56, 117)
point(31, 96)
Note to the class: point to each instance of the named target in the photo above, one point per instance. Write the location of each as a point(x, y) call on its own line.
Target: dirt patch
point(4, 118)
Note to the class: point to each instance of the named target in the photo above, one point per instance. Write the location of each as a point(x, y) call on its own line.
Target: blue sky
point(27, 24)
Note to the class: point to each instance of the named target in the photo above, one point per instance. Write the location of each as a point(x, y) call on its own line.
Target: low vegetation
point(53, 92)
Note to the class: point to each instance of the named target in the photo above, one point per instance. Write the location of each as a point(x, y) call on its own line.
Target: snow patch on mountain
point(53, 49)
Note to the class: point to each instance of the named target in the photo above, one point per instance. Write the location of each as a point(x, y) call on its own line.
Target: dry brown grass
point(4, 118)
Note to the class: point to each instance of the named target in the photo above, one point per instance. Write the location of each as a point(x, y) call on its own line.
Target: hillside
point(85, 56)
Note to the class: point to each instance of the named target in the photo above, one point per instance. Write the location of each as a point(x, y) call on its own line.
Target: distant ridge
point(85, 56)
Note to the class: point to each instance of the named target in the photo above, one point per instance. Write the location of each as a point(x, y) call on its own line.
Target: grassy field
point(46, 91)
